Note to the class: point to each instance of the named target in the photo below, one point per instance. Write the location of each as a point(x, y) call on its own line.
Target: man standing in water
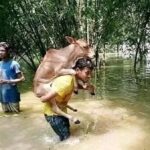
point(58, 95)
point(10, 75)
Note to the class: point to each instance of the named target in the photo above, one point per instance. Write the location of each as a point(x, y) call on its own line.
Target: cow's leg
point(86, 86)
point(91, 89)
point(66, 71)
point(40, 90)
point(75, 87)
point(71, 72)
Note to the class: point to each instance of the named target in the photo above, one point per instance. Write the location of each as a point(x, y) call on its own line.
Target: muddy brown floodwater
point(105, 125)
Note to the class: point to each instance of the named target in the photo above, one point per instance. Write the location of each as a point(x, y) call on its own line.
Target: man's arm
point(50, 97)
point(58, 111)
point(20, 77)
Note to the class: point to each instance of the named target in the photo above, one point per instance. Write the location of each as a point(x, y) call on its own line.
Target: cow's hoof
point(75, 110)
point(92, 93)
point(75, 91)
point(77, 122)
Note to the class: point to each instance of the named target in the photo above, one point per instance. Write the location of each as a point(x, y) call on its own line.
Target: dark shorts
point(60, 125)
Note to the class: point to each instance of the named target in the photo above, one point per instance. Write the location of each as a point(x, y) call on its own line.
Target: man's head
point(84, 67)
point(4, 50)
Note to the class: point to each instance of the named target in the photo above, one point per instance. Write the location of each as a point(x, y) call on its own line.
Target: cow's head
point(82, 47)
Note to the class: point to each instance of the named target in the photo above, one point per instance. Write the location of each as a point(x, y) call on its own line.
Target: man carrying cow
point(56, 93)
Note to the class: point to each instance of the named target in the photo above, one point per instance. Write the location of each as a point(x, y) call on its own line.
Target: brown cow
point(59, 62)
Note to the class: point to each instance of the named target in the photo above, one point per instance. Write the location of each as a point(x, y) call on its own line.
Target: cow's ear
point(70, 40)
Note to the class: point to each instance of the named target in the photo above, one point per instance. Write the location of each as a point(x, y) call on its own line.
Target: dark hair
point(5, 45)
point(84, 62)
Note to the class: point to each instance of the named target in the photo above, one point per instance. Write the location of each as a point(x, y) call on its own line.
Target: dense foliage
point(31, 26)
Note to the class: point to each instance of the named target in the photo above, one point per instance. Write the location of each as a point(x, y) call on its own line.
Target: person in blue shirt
point(10, 75)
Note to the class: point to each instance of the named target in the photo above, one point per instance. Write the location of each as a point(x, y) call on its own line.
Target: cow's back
point(49, 64)
point(55, 60)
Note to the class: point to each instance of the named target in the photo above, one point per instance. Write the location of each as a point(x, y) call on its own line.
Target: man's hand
point(2, 81)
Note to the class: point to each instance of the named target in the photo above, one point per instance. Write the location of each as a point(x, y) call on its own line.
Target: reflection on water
point(117, 118)
point(121, 82)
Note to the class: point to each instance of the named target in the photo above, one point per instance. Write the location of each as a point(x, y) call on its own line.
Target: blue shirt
point(9, 92)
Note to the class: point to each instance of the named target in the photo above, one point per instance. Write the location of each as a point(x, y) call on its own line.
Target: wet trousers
point(60, 125)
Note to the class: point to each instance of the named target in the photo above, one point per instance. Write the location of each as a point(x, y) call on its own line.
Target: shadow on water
point(117, 118)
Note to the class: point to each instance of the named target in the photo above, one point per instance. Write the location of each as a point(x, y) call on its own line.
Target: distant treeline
point(31, 26)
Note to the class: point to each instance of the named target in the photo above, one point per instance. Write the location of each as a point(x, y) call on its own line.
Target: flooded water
point(117, 118)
